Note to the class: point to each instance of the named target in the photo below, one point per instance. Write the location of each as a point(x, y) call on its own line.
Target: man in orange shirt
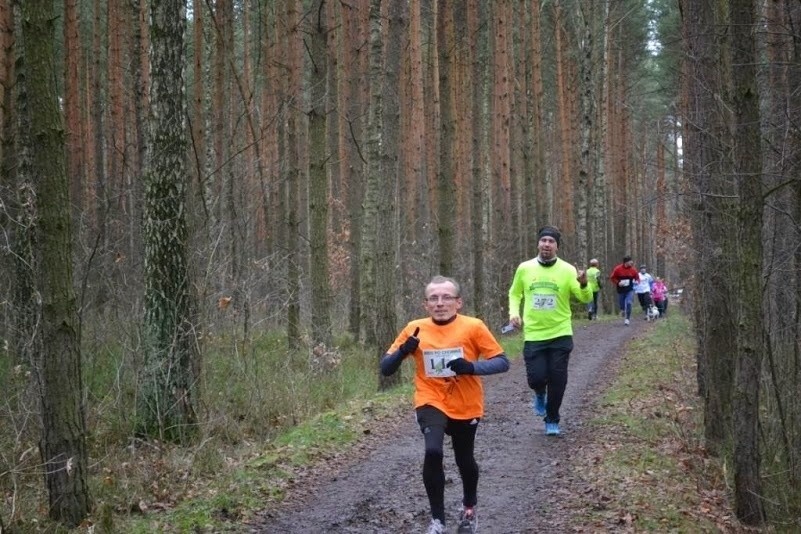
point(448, 396)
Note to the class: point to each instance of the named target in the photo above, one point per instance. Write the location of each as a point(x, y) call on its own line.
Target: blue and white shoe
point(552, 429)
point(538, 404)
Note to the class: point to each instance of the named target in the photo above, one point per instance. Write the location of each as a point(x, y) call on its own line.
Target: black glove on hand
point(460, 366)
point(410, 345)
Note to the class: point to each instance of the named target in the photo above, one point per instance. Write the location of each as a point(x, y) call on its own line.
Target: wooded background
point(173, 171)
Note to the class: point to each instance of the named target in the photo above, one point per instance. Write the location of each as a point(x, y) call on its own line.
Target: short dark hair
point(626, 258)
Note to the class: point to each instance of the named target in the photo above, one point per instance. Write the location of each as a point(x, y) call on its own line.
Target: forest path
point(379, 487)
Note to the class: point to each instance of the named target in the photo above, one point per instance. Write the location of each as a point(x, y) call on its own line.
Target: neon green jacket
point(545, 294)
point(593, 278)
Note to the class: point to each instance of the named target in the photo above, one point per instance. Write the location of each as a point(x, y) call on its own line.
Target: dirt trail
point(380, 488)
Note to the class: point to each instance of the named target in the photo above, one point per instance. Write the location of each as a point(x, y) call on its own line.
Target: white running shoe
point(436, 527)
point(626, 322)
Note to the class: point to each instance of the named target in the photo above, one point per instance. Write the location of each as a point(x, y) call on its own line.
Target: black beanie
point(550, 231)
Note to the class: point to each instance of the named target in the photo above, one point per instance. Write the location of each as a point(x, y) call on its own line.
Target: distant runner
point(624, 276)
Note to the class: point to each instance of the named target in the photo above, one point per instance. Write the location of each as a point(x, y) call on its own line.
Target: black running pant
point(434, 424)
point(645, 300)
point(546, 370)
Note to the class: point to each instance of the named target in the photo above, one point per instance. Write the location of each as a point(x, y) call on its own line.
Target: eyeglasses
point(433, 299)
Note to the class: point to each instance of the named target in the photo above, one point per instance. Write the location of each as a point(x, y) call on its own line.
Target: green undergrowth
point(645, 468)
point(262, 473)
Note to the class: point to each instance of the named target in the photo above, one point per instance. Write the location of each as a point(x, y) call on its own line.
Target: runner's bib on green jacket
point(541, 296)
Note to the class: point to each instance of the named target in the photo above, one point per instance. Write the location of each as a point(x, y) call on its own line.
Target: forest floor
point(612, 476)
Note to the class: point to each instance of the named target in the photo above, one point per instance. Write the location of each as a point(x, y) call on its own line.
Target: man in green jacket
point(543, 287)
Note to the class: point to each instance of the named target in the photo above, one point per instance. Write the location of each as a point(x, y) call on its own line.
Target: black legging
point(434, 425)
point(645, 300)
point(546, 371)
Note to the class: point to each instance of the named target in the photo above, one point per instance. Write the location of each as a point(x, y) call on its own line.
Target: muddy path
point(379, 488)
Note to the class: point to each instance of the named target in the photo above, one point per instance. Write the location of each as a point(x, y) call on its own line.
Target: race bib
point(543, 302)
point(435, 361)
point(624, 283)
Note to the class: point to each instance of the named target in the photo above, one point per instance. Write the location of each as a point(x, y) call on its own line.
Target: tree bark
point(73, 109)
point(446, 182)
point(478, 25)
point(703, 140)
point(171, 362)
point(500, 182)
point(353, 163)
point(295, 96)
point(370, 217)
point(318, 177)
point(63, 439)
point(538, 194)
point(751, 332)
point(386, 240)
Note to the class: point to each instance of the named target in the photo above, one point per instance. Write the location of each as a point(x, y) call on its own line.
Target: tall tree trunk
point(564, 218)
point(96, 134)
point(63, 439)
point(197, 116)
point(587, 110)
point(462, 156)
point(751, 332)
point(432, 111)
point(793, 418)
point(413, 191)
point(291, 200)
point(477, 24)
point(446, 182)
point(538, 194)
point(703, 139)
point(21, 324)
point(386, 240)
point(519, 122)
point(500, 183)
point(334, 43)
point(73, 105)
point(370, 217)
point(783, 293)
point(352, 160)
point(171, 362)
point(318, 178)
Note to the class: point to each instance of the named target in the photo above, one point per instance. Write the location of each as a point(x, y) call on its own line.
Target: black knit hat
point(550, 231)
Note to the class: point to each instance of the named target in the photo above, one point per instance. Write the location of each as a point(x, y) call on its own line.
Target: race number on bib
point(543, 302)
point(624, 283)
point(436, 361)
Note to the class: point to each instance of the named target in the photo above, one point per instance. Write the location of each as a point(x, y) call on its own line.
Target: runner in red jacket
point(623, 277)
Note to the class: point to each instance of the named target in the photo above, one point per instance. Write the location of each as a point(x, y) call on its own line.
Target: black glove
point(410, 345)
point(460, 366)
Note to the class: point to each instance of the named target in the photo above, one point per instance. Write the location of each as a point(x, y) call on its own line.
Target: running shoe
point(552, 429)
point(436, 527)
point(626, 322)
point(538, 403)
point(467, 521)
